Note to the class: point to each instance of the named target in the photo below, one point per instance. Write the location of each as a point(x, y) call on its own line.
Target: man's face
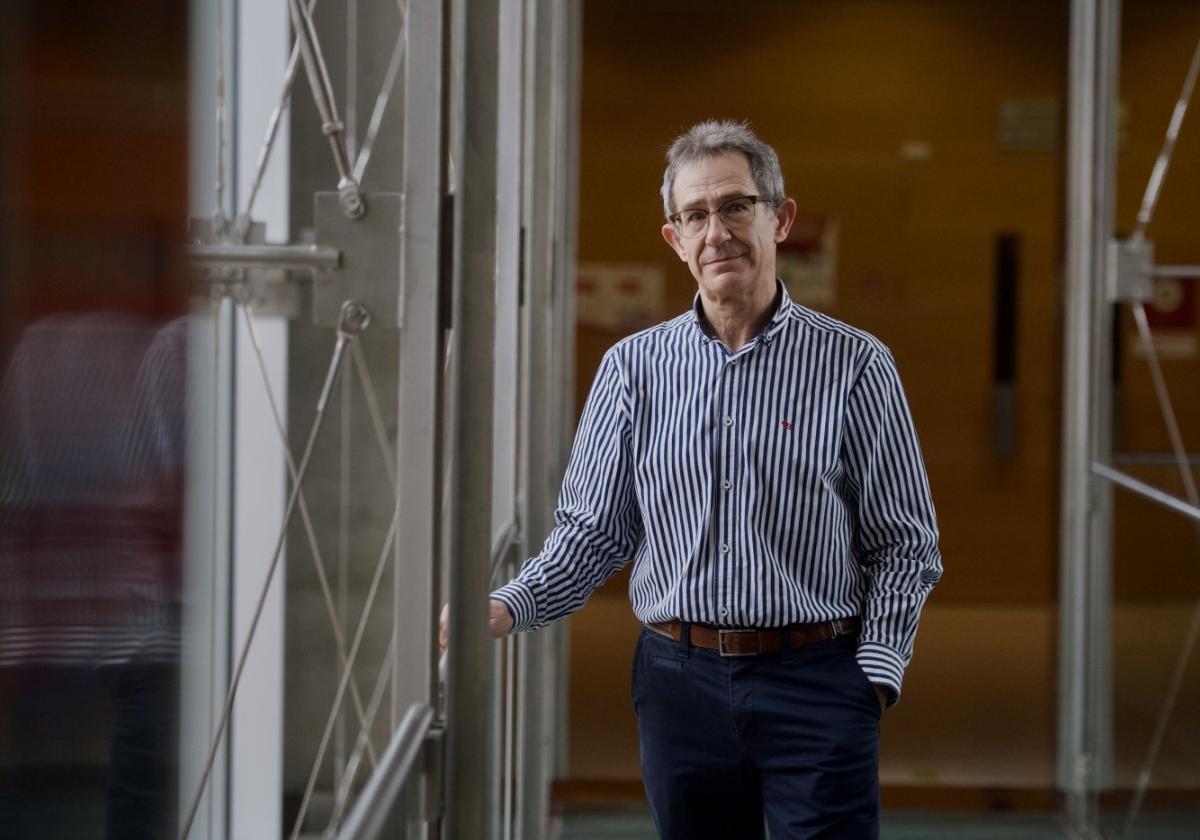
point(727, 263)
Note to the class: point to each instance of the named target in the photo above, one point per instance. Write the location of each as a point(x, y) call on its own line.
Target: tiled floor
point(635, 824)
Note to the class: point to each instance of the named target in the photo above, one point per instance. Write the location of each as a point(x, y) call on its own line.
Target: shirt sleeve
point(896, 534)
point(597, 522)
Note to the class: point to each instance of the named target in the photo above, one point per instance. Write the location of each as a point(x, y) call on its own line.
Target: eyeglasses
point(736, 213)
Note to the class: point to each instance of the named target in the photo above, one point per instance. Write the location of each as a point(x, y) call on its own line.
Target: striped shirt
point(778, 484)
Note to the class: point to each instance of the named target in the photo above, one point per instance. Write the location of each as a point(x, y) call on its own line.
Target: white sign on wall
point(619, 296)
point(807, 260)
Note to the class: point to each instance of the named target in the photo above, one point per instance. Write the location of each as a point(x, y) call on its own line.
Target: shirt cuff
point(883, 666)
point(521, 605)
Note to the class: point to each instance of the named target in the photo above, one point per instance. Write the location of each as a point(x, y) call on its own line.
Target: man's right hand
point(500, 621)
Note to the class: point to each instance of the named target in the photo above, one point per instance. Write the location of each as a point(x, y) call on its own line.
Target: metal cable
point(1159, 173)
point(331, 377)
point(1164, 404)
point(343, 554)
point(385, 448)
point(309, 531)
point(343, 791)
point(268, 144)
point(322, 88)
point(1189, 643)
point(385, 93)
point(351, 77)
point(342, 683)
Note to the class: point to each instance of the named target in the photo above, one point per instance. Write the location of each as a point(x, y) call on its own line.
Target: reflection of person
point(91, 457)
point(757, 462)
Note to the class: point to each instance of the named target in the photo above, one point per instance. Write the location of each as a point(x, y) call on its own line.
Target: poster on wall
point(807, 260)
point(619, 296)
point(1171, 314)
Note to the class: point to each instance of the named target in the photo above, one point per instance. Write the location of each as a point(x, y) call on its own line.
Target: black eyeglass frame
point(676, 218)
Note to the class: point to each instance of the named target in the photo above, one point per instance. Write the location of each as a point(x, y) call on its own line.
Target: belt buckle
point(721, 634)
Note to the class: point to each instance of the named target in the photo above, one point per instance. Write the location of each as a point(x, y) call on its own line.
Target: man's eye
point(694, 216)
point(740, 207)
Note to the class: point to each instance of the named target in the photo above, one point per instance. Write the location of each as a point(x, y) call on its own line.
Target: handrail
point(374, 806)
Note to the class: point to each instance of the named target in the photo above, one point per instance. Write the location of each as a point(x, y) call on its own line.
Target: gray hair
point(717, 137)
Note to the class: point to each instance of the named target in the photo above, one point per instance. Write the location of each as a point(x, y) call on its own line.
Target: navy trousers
point(728, 743)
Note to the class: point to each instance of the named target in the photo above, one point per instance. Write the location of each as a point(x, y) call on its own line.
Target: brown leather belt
point(748, 642)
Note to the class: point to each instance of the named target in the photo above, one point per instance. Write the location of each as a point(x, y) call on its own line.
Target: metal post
point(475, 30)
point(1085, 586)
point(416, 590)
point(568, 68)
point(537, 379)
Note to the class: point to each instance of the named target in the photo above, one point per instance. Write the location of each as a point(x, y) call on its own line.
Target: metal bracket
point(1130, 269)
point(369, 271)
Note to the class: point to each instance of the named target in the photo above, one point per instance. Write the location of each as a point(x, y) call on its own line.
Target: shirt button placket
point(725, 448)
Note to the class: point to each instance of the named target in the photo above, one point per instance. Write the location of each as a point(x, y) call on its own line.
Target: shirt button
point(733, 362)
point(724, 611)
point(728, 421)
point(726, 484)
point(724, 548)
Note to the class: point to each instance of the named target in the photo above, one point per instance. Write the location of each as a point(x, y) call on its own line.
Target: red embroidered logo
point(787, 425)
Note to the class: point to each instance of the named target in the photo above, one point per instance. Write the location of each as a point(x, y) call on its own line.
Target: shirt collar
point(704, 331)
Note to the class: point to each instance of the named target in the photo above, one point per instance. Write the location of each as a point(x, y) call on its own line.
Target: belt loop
point(685, 638)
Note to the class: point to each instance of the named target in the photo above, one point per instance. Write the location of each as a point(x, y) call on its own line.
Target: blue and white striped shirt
point(777, 484)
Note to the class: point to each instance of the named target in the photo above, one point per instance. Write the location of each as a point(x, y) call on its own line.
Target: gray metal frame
point(475, 27)
point(1085, 678)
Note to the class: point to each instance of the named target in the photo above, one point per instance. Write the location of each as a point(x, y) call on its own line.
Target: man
point(757, 462)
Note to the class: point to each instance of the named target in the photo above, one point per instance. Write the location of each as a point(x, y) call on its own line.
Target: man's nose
point(716, 233)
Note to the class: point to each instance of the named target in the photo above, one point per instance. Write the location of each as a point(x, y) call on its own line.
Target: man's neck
point(737, 320)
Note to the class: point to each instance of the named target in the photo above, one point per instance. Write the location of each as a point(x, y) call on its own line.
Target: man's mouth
point(723, 260)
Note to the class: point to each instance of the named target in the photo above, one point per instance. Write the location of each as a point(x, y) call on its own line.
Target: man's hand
point(500, 621)
point(882, 694)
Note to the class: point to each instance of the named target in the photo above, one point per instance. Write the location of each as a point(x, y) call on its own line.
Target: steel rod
point(268, 143)
point(381, 101)
point(343, 551)
point(1154, 459)
point(265, 256)
point(1184, 272)
point(376, 415)
point(1164, 403)
point(322, 88)
point(1159, 172)
point(1147, 491)
point(351, 77)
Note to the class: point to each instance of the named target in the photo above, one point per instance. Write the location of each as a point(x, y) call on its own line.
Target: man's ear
point(785, 214)
point(672, 236)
